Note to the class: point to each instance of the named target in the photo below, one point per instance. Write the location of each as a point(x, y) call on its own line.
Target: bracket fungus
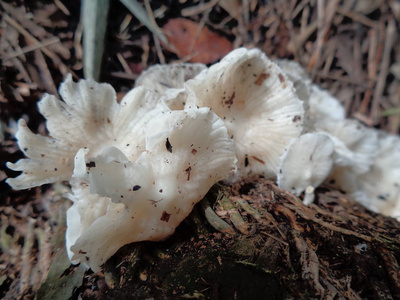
point(380, 186)
point(356, 146)
point(296, 74)
point(137, 168)
point(168, 80)
point(88, 117)
point(322, 105)
point(258, 104)
point(158, 190)
point(319, 104)
point(306, 163)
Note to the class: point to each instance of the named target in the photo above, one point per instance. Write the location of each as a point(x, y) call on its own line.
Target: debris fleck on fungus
point(168, 145)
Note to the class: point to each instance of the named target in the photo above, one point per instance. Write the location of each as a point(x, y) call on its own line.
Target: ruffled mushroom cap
point(258, 104)
point(318, 103)
point(306, 163)
point(356, 146)
point(381, 183)
point(322, 106)
point(85, 210)
point(296, 73)
point(89, 116)
point(168, 80)
point(186, 153)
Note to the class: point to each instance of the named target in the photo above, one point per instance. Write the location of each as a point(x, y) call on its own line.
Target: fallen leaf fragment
point(189, 39)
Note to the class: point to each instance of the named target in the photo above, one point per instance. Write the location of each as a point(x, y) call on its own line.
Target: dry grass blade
point(390, 37)
point(141, 14)
point(32, 47)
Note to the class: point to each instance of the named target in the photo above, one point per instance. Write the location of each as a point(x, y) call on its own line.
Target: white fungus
point(257, 103)
point(306, 163)
point(167, 80)
point(175, 155)
point(85, 210)
point(322, 106)
point(186, 153)
point(319, 104)
point(381, 183)
point(136, 168)
point(356, 146)
point(295, 72)
point(88, 117)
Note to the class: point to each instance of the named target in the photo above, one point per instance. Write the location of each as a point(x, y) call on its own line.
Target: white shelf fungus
point(299, 77)
point(168, 80)
point(258, 104)
point(324, 106)
point(172, 158)
point(321, 107)
point(381, 184)
point(186, 153)
point(306, 163)
point(88, 117)
point(356, 146)
point(87, 210)
point(138, 167)
point(319, 104)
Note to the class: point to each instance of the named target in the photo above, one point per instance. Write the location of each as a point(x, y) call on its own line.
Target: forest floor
point(351, 48)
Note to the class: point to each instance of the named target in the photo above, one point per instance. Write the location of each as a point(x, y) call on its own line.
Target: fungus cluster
point(137, 168)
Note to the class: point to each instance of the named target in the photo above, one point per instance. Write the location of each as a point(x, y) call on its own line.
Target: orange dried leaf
point(189, 39)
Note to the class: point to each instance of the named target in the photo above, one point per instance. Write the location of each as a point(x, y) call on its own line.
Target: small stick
point(32, 47)
point(390, 37)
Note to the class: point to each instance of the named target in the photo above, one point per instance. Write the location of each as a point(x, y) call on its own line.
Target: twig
point(357, 17)
point(27, 257)
point(250, 210)
point(309, 261)
point(234, 214)
point(63, 68)
point(325, 17)
point(62, 7)
point(199, 29)
point(40, 270)
point(124, 75)
point(140, 13)
point(27, 35)
point(275, 238)
point(196, 10)
point(45, 74)
point(32, 47)
point(330, 226)
point(160, 53)
point(390, 37)
point(124, 64)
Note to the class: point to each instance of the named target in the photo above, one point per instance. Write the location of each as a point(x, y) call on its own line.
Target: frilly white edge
point(186, 153)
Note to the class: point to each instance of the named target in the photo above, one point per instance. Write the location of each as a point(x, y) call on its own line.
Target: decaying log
point(332, 249)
